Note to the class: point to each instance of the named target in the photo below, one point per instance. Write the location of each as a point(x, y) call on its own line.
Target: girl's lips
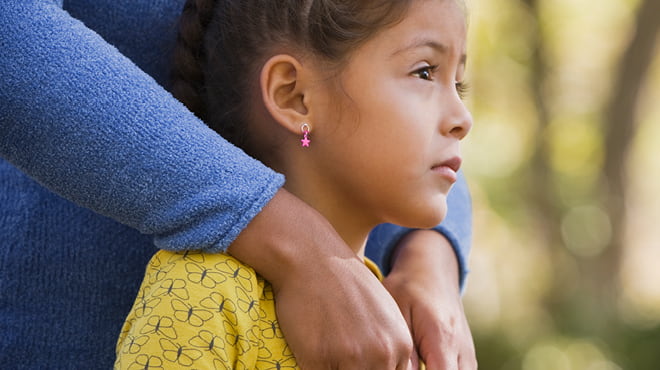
point(448, 168)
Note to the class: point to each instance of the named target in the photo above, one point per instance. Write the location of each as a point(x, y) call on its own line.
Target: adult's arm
point(424, 283)
point(84, 121)
point(456, 228)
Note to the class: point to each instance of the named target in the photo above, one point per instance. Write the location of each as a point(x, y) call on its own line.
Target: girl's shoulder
point(213, 308)
point(204, 271)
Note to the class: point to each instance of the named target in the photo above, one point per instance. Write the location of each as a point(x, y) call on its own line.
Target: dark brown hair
point(223, 43)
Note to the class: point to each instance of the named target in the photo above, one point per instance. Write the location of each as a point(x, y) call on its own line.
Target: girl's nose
point(458, 120)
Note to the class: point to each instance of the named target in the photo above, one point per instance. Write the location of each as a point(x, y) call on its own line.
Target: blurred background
point(564, 169)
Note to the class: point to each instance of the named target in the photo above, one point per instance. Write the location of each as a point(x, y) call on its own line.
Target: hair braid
point(189, 55)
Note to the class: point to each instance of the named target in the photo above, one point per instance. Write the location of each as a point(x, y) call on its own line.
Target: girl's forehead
point(438, 24)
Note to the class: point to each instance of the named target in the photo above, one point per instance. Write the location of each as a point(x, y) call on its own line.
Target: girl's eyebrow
point(439, 47)
point(420, 43)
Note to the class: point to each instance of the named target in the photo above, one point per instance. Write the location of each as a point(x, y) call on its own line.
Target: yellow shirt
point(203, 311)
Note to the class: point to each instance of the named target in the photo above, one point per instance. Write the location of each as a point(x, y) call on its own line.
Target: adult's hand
point(332, 310)
point(424, 282)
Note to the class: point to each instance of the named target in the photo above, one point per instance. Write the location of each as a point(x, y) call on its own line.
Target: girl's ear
point(283, 90)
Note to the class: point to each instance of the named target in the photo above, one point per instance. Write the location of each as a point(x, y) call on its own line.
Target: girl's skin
point(393, 111)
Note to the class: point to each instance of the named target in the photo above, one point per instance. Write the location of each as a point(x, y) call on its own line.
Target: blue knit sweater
point(100, 163)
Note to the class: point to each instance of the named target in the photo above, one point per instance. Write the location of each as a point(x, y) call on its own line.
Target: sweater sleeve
point(456, 227)
point(84, 121)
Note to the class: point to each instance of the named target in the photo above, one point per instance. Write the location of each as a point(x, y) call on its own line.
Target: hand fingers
point(468, 362)
point(414, 359)
point(368, 332)
point(442, 361)
point(452, 359)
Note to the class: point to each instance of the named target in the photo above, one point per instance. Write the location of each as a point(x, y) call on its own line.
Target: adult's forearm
point(424, 278)
point(84, 121)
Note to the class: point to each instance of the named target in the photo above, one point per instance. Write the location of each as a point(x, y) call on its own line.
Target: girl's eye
point(425, 73)
point(462, 88)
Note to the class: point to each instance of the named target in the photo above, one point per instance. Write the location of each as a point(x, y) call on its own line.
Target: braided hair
point(222, 44)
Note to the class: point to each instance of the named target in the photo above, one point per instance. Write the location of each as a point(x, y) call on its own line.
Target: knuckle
point(391, 352)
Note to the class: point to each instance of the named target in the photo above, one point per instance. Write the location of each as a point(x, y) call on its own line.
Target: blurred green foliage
point(566, 245)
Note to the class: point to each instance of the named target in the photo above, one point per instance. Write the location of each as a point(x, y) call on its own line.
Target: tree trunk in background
point(596, 289)
point(542, 192)
point(620, 126)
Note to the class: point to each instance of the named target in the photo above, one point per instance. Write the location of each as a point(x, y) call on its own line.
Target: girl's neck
point(349, 222)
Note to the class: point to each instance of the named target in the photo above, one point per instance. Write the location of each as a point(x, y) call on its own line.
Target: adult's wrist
point(429, 254)
point(286, 239)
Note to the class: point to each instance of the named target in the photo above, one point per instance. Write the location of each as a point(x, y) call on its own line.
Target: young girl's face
point(385, 139)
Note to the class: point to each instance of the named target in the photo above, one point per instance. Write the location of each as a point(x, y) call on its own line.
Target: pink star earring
point(305, 130)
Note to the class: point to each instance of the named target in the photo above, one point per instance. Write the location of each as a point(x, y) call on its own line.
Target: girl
point(345, 96)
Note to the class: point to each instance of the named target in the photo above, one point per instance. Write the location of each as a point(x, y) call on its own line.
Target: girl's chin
point(425, 221)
